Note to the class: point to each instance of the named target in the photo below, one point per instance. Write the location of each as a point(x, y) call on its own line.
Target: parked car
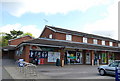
point(109, 69)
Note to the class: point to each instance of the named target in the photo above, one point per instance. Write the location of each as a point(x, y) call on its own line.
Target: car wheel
point(102, 72)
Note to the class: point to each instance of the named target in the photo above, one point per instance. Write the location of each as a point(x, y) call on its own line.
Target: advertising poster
point(40, 54)
point(52, 56)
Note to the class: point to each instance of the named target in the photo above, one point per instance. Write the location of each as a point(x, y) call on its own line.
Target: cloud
point(28, 28)
point(21, 7)
point(107, 26)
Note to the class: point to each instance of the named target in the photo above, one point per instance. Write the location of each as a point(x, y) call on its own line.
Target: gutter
point(64, 47)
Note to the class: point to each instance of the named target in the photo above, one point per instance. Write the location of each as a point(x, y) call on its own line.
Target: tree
point(3, 41)
point(24, 34)
point(13, 34)
point(5, 37)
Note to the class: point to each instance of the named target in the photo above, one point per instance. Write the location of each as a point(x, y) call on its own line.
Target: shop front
point(44, 55)
point(104, 57)
point(48, 51)
point(73, 56)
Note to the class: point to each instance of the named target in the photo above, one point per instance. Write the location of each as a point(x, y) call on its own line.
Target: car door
point(111, 68)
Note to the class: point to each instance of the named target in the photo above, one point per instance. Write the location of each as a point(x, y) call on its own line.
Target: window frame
point(85, 40)
point(68, 37)
point(50, 36)
point(103, 42)
point(110, 43)
point(95, 41)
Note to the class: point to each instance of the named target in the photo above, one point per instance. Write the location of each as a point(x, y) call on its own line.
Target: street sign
point(117, 74)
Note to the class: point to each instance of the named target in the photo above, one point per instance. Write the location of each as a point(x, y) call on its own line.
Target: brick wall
point(60, 36)
point(77, 38)
point(46, 33)
point(107, 43)
point(90, 40)
point(117, 56)
point(99, 42)
point(19, 40)
point(115, 44)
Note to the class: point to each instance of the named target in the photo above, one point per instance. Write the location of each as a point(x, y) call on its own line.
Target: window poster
point(52, 56)
point(40, 54)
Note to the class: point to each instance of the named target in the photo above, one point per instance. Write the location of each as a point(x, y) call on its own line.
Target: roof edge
point(104, 38)
point(21, 37)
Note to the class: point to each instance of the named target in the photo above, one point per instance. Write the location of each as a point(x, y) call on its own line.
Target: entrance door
point(96, 57)
point(87, 58)
point(78, 57)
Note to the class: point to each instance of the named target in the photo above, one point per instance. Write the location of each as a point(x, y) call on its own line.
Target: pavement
point(11, 71)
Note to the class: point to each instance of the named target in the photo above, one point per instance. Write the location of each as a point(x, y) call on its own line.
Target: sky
point(99, 17)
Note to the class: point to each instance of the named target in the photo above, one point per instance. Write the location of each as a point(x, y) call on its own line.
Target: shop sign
point(47, 49)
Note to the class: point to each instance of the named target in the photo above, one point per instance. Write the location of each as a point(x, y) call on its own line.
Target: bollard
point(62, 63)
point(117, 74)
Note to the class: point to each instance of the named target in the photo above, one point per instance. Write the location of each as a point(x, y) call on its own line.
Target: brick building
point(71, 46)
point(9, 51)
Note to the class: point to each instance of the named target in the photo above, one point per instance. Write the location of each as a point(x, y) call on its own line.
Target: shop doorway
point(96, 58)
point(88, 58)
point(78, 57)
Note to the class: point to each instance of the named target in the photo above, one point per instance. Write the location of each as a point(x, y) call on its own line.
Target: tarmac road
point(54, 72)
point(72, 72)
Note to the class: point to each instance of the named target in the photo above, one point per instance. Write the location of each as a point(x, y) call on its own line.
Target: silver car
point(109, 69)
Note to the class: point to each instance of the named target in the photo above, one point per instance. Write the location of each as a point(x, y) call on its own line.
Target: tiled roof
point(56, 29)
point(70, 44)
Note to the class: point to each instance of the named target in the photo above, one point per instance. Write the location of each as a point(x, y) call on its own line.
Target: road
point(55, 72)
point(72, 72)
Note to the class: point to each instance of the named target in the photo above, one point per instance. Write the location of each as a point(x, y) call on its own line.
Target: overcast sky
point(98, 17)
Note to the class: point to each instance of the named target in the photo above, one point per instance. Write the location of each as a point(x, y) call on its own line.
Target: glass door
point(87, 58)
point(78, 57)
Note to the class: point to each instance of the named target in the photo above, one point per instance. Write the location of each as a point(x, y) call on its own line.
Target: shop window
point(104, 58)
point(69, 37)
point(84, 39)
point(103, 42)
point(50, 36)
point(74, 57)
point(119, 44)
point(111, 57)
point(111, 44)
point(95, 41)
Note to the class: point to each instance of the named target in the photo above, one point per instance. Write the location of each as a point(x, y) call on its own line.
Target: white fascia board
point(51, 29)
point(38, 45)
point(92, 49)
point(66, 47)
point(78, 42)
point(13, 45)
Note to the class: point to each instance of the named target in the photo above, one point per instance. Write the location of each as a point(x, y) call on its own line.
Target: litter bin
point(57, 62)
